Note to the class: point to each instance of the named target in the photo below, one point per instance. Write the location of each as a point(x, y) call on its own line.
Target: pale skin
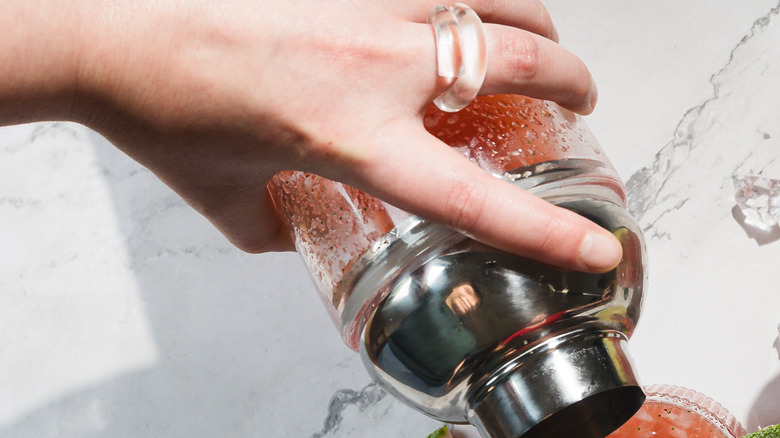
point(215, 97)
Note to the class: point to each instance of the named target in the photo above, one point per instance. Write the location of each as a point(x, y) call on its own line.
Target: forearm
point(86, 60)
point(39, 59)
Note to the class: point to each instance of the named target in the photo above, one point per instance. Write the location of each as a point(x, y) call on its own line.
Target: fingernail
point(554, 34)
point(594, 94)
point(600, 252)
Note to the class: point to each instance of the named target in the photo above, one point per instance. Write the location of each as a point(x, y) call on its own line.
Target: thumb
point(422, 175)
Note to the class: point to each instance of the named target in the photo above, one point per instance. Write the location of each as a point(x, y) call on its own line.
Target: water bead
point(333, 225)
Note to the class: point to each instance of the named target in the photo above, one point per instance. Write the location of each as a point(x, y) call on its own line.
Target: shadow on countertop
point(221, 320)
point(764, 411)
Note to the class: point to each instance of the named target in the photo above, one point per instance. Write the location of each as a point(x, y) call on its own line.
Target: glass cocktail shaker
point(467, 333)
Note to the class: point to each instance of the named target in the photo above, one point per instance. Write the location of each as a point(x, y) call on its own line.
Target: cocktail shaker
point(465, 332)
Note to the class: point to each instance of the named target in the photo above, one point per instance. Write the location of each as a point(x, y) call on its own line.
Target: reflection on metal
point(467, 333)
point(462, 300)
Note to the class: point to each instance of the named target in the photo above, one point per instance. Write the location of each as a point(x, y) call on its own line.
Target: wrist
point(40, 68)
point(117, 49)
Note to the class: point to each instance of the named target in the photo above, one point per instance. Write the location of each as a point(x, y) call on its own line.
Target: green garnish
point(440, 433)
point(767, 432)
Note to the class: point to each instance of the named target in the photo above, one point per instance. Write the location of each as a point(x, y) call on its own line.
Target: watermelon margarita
point(675, 412)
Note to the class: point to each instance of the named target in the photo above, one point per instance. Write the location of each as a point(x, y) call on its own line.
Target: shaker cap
point(583, 387)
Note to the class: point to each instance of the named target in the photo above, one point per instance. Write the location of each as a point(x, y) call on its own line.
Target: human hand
point(217, 97)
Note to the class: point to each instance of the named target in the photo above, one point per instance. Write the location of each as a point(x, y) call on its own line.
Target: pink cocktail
point(675, 412)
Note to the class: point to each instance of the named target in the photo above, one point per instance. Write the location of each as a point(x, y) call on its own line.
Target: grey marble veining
point(655, 191)
point(366, 398)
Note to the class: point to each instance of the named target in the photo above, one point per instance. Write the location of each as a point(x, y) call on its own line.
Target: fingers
point(524, 58)
point(520, 62)
point(530, 15)
point(424, 176)
point(245, 217)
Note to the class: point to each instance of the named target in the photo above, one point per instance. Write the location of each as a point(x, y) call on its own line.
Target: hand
point(215, 97)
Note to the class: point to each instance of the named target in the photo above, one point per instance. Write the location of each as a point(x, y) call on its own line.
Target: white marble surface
point(123, 314)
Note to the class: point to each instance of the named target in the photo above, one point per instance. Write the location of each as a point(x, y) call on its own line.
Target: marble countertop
point(124, 314)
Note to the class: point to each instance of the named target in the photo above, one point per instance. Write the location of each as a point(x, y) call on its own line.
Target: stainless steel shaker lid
point(582, 385)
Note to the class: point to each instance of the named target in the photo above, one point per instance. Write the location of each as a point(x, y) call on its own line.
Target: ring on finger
point(460, 54)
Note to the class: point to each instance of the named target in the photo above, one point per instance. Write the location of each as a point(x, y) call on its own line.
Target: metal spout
point(579, 385)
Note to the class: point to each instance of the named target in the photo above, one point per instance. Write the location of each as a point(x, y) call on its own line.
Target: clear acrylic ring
point(460, 54)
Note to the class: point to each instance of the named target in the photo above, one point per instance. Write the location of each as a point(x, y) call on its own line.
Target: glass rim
point(698, 402)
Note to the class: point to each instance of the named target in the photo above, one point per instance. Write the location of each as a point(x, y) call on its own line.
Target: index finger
point(418, 173)
point(520, 62)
